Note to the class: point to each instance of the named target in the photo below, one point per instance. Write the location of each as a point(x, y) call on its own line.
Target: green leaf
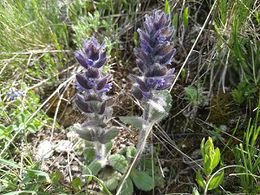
point(111, 183)
point(207, 165)
point(216, 158)
point(93, 168)
point(142, 180)
point(40, 173)
point(200, 180)
point(135, 121)
point(89, 154)
point(127, 188)
point(108, 146)
point(77, 184)
point(175, 21)
point(167, 7)
point(135, 37)
point(56, 177)
point(202, 147)
point(186, 17)
point(216, 181)
point(130, 152)
point(9, 163)
point(118, 162)
point(209, 146)
point(108, 135)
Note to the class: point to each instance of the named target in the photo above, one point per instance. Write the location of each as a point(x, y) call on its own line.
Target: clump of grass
point(238, 35)
point(32, 24)
point(247, 155)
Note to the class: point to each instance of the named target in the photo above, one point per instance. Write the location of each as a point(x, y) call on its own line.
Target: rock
point(72, 135)
point(64, 146)
point(44, 150)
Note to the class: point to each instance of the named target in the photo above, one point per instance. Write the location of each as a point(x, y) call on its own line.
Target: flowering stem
point(143, 131)
point(100, 150)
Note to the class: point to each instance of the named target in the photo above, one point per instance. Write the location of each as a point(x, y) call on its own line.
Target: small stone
point(64, 146)
point(72, 135)
point(75, 168)
point(44, 151)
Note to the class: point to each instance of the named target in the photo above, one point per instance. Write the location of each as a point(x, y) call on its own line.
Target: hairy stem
point(143, 131)
point(100, 151)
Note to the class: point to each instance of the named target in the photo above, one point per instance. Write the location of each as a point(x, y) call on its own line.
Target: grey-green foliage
point(247, 154)
point(118, 162)
point(159, 108)
point(141, 179)
point(194, 95)
point(135, 121)
point(211, 159)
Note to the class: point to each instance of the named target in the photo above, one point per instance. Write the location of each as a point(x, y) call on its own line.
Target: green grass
point(237, 28)
point(247, 154)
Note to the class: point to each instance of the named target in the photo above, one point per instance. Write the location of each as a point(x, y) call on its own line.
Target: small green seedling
point(211, 159)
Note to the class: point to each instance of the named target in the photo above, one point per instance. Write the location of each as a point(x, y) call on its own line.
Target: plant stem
point(143, 131)
point(100, 151)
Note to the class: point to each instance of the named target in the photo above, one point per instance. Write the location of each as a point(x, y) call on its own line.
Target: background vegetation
point(215, 94)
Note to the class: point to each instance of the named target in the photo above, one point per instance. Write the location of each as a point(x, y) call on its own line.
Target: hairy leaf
point(128, 187)
point(93, 168)
point(108, 135)
point(135, 121)
point(142, 180)
point(118, 162)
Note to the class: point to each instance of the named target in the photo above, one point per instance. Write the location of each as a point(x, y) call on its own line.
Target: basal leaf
point(111, 183)
point(130, 152)
point(142, 180)
point(118, 162)
point(127, 188)
point(93, 168)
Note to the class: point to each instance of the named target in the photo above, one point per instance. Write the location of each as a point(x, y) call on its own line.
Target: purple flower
point(155, 52)
point(92, 84)
point(92, 54)
point(13, 94)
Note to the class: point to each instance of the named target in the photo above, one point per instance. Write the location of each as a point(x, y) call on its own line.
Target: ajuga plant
point(91, 98)
point(152, 57)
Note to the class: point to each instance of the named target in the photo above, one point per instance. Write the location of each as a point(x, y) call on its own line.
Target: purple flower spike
point(92, 84)
point(92, 54)
point(155, 52)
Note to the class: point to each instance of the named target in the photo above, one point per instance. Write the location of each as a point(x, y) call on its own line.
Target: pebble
point(64, 146)
point(44, 151)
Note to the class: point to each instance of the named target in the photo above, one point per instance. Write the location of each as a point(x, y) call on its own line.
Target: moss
point(221, 109)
